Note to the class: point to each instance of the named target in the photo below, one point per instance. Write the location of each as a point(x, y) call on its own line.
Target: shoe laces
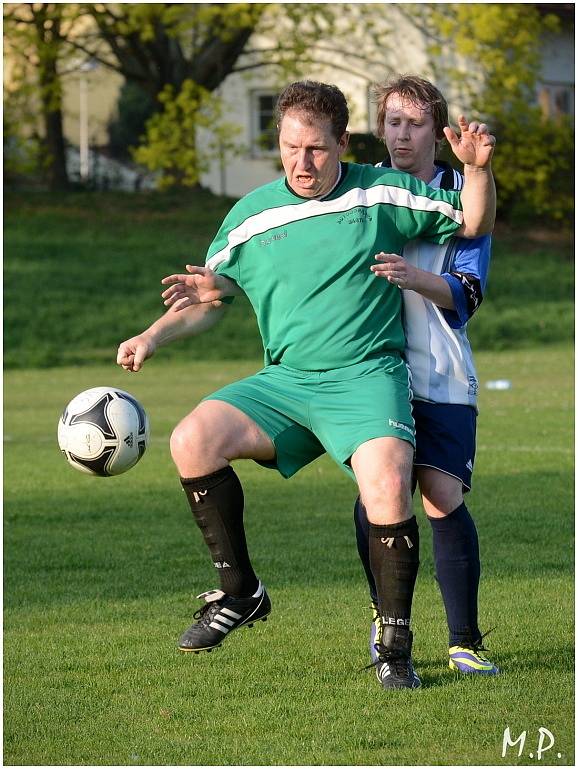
point(398, 661)
point(477, 646)
point(206, 613)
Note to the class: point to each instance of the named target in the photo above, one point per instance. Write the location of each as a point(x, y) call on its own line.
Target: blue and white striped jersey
point(438, 351)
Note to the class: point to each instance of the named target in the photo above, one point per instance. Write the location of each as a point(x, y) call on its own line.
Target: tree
point(491, 55)
point(171, 145)
point(165, 48)
point(134, 108)
point(35, 33)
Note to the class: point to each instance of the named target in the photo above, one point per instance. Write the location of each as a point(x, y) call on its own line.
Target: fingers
point(393, 258)
point(125, 358)
point(392, 267)
point(473, 127)
point(177, 278)
point(123, 354)
point(395, 278)
point(196, 270)
point(173, 293)
point(451, 136)
point(140, 356)
point(131, 354)
point(179, 293)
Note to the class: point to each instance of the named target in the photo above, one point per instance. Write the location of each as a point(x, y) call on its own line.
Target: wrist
point(222, 284)
point(470, 169)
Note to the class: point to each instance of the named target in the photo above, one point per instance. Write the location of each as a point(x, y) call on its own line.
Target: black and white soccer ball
point(103, 431)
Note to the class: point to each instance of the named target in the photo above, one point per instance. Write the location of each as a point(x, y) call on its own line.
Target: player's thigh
point(275, 400)
point(441, 493)
point(228, 431)
point(361, 403)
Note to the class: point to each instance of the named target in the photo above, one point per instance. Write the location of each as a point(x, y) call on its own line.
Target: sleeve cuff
point(458, 317)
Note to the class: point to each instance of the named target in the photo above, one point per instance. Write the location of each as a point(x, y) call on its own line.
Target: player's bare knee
point(181, 442)
point(388, 498)
point(441, 493)
point(192, 447)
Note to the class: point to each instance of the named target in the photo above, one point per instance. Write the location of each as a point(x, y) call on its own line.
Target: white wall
point(403, 52)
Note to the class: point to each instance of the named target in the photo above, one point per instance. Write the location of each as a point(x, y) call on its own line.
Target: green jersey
point(304, 263)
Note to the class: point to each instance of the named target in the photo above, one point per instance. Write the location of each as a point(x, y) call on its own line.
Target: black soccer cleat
point(393, 666)
point(220, 615)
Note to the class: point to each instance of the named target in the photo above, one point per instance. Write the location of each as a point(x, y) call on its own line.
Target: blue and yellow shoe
point(375, 631)
point(467, 659)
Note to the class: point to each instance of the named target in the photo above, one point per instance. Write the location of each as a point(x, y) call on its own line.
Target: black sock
point(394, 559)
point(362, 538)
point(457, 561)
point(217, 502)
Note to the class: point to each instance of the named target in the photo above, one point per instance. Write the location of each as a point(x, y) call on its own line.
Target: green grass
point(100, 578)
point(83, 271)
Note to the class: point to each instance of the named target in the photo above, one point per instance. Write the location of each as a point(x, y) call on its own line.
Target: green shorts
point(308, 413)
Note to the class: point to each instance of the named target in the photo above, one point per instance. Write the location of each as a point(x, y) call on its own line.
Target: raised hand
point(474, 146)
point(200, 286)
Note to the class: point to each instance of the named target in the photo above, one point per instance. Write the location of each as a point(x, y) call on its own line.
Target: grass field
point(100, 578)
point(91, 265)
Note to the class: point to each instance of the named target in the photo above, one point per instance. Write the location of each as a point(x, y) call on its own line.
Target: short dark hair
point(315, 99)
point(417, 91)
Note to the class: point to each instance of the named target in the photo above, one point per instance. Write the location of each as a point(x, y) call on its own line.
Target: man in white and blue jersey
point(442, 286)
point(334, 379)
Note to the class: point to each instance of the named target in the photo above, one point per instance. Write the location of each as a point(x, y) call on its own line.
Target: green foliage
point(135, 106)
point(21, 151)
point(365, 148)
point(172, 144)
point(102, 256)
point(535, 175)
point(35, 39)
point(497, 80)
point(100, 577)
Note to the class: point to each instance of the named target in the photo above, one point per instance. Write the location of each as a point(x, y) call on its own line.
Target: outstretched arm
point(174, 324)
point(474, 148)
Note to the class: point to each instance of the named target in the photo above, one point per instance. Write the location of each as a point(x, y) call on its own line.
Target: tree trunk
point(55, 169)
point(47, 42)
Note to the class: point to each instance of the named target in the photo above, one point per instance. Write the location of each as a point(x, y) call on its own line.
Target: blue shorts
point(445, 435)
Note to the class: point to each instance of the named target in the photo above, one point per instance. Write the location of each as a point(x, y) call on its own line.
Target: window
point(263, 128)
point(556, 99)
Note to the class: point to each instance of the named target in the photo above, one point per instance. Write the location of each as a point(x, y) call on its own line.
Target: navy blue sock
point(457, 562)
point(362, 538)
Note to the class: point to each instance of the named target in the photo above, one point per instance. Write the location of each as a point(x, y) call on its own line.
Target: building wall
point(403, 51)
point(236, 175)
point(102, 91)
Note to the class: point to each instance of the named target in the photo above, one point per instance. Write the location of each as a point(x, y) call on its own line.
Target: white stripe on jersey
point(357, 197)
point(439, 357)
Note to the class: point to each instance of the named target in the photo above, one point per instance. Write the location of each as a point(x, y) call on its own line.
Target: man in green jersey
point(334, 380)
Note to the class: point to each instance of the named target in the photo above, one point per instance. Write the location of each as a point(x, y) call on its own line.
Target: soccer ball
point(103, 431)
